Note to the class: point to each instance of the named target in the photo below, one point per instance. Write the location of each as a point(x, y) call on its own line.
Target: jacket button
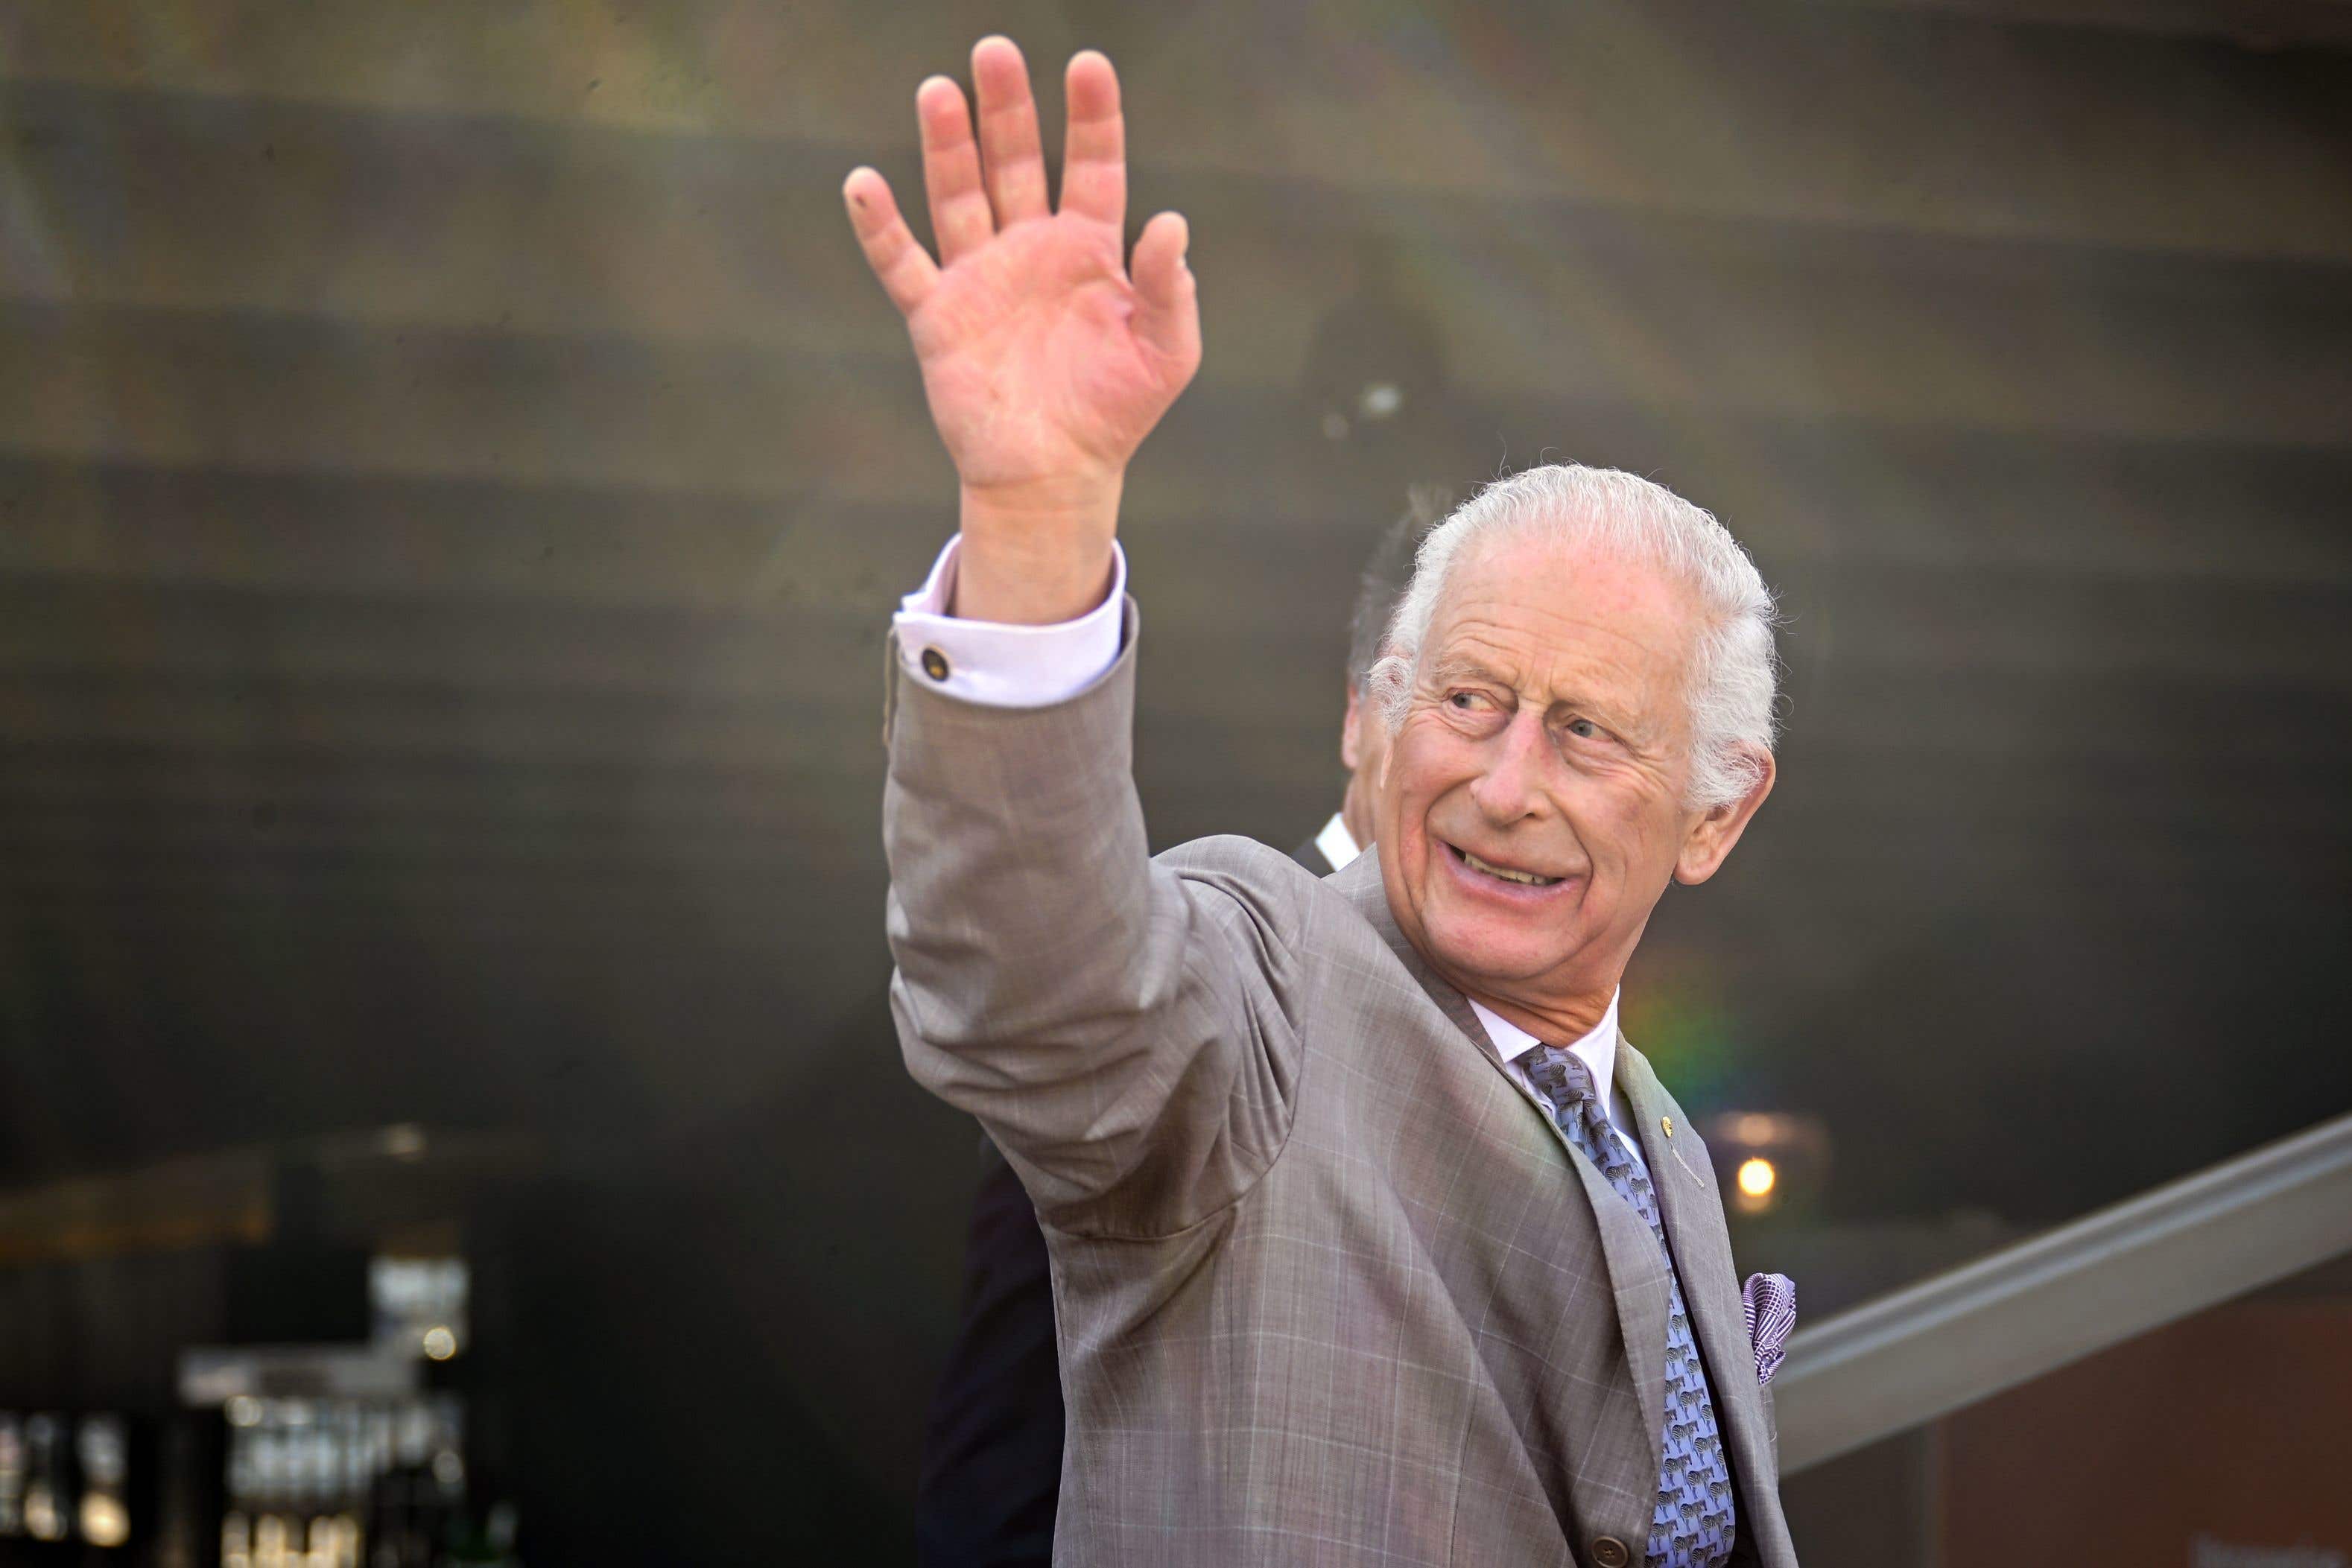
point(1610, 1553)
point(935, 664)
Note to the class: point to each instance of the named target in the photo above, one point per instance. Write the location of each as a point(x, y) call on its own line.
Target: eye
point(1583, 730)
point(1465, 702)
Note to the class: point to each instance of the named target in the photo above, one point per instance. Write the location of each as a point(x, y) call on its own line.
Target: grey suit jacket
point(1330, 1286)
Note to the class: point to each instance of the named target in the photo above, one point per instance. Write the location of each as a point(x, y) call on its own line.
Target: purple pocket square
point(1770, 1303)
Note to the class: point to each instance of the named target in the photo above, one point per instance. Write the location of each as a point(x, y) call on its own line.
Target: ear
point(1708, 843)
point(1352, 731)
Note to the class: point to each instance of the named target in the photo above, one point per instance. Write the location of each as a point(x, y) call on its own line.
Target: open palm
point(1046, 357)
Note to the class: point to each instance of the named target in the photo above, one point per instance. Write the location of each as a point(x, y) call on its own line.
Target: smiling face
point(1530, 811)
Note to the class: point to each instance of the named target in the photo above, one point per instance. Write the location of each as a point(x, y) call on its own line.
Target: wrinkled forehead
point(1567, 620)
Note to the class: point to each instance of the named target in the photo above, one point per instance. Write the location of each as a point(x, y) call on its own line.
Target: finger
point(905, 269)
point(1094, 154)
point(1010, 152)
point(961, 219)
point(1168, 314)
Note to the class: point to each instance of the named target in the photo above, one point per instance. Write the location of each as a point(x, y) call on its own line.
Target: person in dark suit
point(993, 1452)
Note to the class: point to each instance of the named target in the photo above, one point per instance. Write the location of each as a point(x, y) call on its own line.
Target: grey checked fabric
point(1697, 1521)
point(1328, 1289)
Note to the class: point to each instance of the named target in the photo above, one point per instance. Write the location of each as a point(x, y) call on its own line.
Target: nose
point(1511, 787)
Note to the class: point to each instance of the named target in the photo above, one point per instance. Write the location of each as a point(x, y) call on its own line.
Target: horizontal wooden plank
point(1942, 122)
point(2264, 25)
point(225, 1199)
point(1222, 629)
point(1914, 881)
point(1807, 499)
point(2166, 820)
point(203, 206)
point(288, 720)
point(735, 403)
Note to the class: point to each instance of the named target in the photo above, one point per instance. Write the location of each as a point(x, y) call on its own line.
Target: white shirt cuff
point(1001, 665)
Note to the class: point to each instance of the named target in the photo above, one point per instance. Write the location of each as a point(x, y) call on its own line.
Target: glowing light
point(244, 1410)
point(103, 1520)
point(440, 1343)
point(44, 1519)
point(1757, 1178)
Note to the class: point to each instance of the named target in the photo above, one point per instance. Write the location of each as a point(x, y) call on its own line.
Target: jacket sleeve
point(1123, 1028)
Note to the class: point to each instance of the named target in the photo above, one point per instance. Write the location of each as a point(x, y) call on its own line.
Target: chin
point(1478, 948)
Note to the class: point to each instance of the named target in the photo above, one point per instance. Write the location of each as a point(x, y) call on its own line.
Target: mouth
point(1486, 868)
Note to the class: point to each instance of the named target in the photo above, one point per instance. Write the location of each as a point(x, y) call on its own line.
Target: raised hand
point(1046, 356)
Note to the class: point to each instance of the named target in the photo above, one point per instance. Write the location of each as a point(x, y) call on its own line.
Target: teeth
point(1527, 877)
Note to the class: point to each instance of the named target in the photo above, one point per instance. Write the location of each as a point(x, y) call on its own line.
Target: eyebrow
point(1454, 666)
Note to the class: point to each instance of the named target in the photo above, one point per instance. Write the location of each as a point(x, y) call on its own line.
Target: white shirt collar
point(1597, 1050)
point(1337, 845)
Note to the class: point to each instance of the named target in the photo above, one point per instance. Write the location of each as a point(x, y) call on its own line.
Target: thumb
point(1169, 310)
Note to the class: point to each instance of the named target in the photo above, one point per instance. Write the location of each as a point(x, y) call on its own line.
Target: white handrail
point(1906, 1358)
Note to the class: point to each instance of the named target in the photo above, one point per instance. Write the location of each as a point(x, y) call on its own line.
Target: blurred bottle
point(102, 1445)
point(49, 1489)
point(236, 1539)
point(12, 1475)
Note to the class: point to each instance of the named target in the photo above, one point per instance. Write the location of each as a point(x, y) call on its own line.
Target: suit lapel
point(1637, 1274)
point(1692, 1208)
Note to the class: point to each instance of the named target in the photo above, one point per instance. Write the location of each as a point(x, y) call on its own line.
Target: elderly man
point(1371, 1239)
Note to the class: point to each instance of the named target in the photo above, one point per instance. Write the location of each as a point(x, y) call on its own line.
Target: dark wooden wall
point(454, 475)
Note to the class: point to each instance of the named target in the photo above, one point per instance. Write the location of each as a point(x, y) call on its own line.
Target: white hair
point(1732, 674)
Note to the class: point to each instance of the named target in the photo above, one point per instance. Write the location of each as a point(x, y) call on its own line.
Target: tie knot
point(1564, 1080)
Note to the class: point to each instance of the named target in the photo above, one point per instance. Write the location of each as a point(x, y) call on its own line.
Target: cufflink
point(935, 664)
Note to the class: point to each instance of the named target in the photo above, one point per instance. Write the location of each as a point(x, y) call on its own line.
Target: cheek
point(1414, 770)
point(1408, 789)
point(1626, 832)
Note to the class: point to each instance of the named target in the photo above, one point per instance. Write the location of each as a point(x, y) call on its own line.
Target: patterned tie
point(1696, 1523)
